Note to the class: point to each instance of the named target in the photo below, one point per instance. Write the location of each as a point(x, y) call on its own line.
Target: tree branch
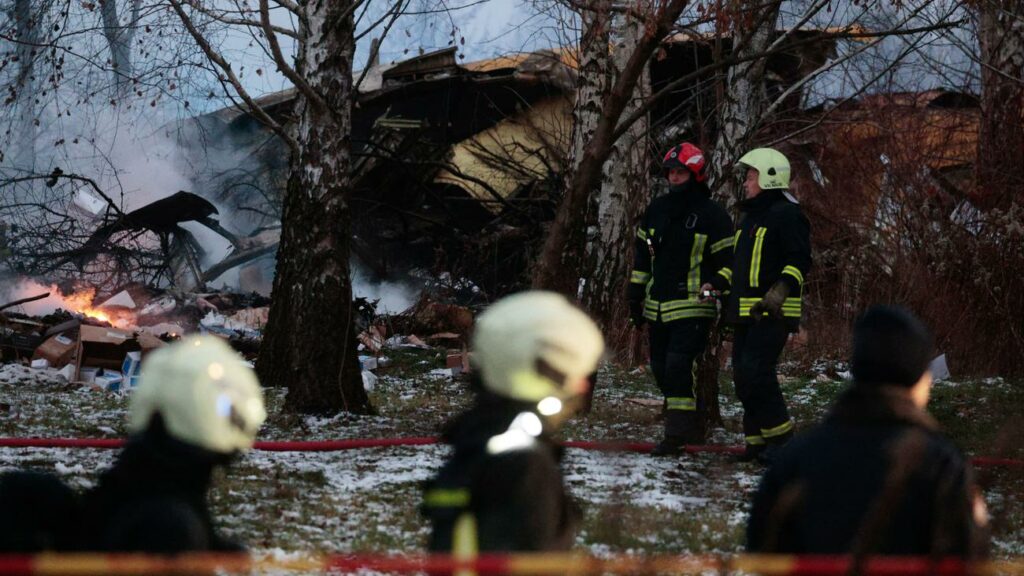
point(645, 106)
point(217, 59)
point(282, 65)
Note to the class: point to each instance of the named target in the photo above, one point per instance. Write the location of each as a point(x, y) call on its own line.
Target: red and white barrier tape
point(512, 564)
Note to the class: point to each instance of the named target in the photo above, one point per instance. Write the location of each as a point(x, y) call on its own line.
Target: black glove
point(636, 313)
point(771, 304)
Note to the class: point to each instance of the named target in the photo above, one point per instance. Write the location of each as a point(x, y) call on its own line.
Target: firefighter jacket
point(773, 244)
point(682, 240)
point(876, 477)
point(501, 490)
point(154, 498)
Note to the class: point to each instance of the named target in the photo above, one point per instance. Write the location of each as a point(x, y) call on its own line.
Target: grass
point(367, 500)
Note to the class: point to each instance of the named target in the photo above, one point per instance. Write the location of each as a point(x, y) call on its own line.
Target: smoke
point(395, 297)
point(12, 290)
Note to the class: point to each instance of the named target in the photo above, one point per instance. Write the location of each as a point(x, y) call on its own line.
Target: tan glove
point(771, 304)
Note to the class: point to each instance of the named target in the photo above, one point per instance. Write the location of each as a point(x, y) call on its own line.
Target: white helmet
point(206, 395)
point(531, 345)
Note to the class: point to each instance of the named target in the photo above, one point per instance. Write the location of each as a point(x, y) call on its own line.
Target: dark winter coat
point(513, 500)
point(875, 478)
point(682, 240)
point(773, 244)
point(154, 498)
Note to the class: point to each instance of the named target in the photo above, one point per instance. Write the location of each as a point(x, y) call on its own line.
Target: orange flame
point(81, 303)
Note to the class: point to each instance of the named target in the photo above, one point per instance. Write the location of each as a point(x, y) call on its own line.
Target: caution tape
point(361, 443)
point(513, 564)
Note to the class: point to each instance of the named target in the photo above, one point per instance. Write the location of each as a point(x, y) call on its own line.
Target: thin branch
point(217, 59)
point(220, 17)
point(666, 90)
point(282, 65)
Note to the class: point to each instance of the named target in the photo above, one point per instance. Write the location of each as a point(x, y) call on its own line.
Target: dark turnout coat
point(154, 499)
point(682, 239)
point(875, 478)
point(498, 500)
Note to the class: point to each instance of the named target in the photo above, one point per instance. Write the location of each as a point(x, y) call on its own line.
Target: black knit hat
point(890, 346)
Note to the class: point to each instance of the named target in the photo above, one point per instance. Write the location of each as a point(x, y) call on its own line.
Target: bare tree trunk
point(559, 265)
point(310, 343)
point(739, 112)
point(1000, 171)
point(624, 191)
point(27, 32)
point(743, 97)
point(119, 37)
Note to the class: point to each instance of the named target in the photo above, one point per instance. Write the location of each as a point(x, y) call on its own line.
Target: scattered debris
point(939, 368)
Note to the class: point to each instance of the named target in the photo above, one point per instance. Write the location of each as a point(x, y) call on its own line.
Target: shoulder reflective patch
point(790, 197)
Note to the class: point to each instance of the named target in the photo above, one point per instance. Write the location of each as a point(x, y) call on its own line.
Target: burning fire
point(79, 302)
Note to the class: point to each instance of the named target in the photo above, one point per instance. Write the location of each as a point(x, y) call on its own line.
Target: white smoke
point(395, 297)
point(17, 289)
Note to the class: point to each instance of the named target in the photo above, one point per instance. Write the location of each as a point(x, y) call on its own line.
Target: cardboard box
point(87, 374)
point(109, 380)
point(107, 347)
point(130, 366)
point(57, 350)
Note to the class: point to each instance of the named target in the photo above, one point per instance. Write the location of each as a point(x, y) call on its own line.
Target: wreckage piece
point(24, 301)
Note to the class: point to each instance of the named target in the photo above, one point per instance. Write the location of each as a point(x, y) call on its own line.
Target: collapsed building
point(458, 165)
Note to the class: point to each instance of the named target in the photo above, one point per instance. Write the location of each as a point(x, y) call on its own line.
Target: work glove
point(636, 313)
point(771, 304)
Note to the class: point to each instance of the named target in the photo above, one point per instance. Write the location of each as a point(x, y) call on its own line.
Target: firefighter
point(502, 489)
point(682, 240)
point(876, 477)
point(772, 256)
point(197, 407)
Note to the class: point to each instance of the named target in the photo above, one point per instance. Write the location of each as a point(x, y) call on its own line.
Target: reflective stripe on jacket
point(682, 239)
point(773, 244)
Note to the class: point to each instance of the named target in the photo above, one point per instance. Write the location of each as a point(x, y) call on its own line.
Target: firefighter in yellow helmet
point(772, 256)
point(502, 489)
point(197, 406)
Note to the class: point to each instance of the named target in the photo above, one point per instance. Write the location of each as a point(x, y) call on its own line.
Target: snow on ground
point(367, 500)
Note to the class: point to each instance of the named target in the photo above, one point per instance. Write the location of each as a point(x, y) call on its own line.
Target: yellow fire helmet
point(771, 165)
point(206, 395)
point(532, 345)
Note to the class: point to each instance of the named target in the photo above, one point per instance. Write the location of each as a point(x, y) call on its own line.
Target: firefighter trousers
point(675, 347)
point(755, 356)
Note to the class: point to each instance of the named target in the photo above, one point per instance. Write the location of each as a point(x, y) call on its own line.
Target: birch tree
point(119, 35)
point(624, 192)
point(559, 264)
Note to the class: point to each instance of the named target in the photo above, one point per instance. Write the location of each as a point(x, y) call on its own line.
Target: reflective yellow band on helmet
point(791, 307)
point(446, 498)
point(685, 404)
point(794, 272)
point(641, 234)
point(755, 259)
point(754, 440)
point(696, 255)
point(726, 273)
point(638, 277)
point(722, 245)
point(779, 430)
point(464, 541)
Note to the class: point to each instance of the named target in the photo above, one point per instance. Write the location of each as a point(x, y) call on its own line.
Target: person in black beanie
point(876, 477)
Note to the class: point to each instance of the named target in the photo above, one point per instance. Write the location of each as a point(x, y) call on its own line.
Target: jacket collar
point(762, 201)
point(880, 404)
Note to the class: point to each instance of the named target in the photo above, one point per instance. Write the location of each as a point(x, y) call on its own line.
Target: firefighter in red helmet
point(683, 239)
